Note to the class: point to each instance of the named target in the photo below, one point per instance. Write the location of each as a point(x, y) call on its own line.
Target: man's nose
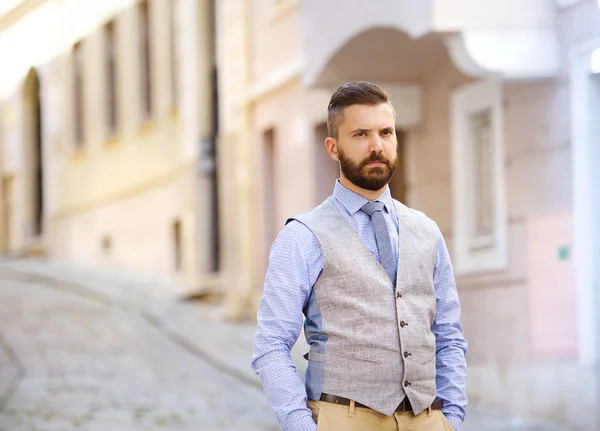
point(376, 145)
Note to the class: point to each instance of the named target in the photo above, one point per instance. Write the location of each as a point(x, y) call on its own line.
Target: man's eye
point(359, 134)
point(387, 132)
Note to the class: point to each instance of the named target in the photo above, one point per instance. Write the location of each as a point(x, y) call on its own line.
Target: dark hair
point(354, 93)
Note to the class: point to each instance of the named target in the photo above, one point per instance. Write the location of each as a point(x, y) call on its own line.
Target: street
point(69, 363)
point(89, 351)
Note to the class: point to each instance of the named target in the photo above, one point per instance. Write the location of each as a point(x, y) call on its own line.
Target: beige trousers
point(335, 417)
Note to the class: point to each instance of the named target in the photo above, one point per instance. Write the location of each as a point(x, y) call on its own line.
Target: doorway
point(269, 190)
point(33, 149)
point(398, 182)
point(177, 245)
point(8, 199)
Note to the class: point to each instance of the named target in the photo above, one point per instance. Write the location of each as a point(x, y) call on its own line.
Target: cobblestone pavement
point(71, 362)
point(89, 350)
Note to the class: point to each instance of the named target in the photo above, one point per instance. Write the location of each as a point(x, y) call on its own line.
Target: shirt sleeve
point(451, 345)
point(295, 262)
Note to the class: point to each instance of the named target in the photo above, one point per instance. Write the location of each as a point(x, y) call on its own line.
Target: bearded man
point(372, 282)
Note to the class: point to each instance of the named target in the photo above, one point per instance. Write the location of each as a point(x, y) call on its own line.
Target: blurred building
point(498, 105)
point(108, 134)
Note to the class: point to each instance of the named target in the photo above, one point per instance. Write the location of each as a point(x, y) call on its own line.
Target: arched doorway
point(33, 160)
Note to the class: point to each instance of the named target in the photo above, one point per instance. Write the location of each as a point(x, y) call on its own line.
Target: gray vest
point(378, 345)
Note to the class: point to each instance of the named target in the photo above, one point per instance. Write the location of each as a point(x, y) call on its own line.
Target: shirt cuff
point(305, 423)
point(455, 421)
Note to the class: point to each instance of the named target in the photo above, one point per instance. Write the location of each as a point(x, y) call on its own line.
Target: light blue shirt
point(295, 263)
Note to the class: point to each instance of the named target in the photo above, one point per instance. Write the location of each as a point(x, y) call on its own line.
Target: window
point(110, 47)
point(173, 54)
point(106, 244)
point(144, 26)
point(483, 193)
point(269, 180)
point(478, 178)
point(78, 95)
point(177, 245)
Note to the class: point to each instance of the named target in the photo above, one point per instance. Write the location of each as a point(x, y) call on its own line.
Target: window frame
point(144, 38)
point(473, 253)
point(111, 78)
point(78, 94)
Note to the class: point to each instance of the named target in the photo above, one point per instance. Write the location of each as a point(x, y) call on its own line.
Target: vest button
point(398, 295)
point(403, 324)
point(407, 383)
point(406, 354)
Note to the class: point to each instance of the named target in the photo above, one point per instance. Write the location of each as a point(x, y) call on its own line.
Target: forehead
point(368, 117)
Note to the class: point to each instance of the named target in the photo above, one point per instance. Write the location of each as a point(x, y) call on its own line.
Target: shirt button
point(403, 324)
point(406, 354)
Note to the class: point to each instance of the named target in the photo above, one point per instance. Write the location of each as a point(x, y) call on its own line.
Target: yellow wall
point(3, 239)
point(127, 188)
point(142, 151)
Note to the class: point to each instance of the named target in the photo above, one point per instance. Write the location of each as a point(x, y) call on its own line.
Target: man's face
point(367, 146)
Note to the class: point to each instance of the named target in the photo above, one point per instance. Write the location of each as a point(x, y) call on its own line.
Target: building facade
point(108, 134)
point(496, 103)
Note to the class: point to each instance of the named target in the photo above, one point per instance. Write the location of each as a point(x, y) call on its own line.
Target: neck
point(369, 195)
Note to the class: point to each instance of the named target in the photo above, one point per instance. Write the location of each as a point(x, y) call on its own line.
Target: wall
point(4, 208)
point(139, 228)
point(103, 166)
point(133, 185)
point(14, 167)
point(295, 157)
point(522, 322)
point(276, 36)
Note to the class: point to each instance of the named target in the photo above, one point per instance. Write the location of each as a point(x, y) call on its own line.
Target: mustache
point(375, 157)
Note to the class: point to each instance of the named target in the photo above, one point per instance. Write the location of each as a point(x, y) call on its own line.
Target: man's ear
point(331, 146)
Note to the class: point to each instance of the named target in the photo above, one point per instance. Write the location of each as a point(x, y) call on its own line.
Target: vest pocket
point(354, 358)
point(428, 360)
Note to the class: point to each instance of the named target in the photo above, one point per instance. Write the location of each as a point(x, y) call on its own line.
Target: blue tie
point(382, 236)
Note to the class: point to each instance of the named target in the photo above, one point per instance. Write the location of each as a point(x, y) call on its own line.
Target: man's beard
point(368, 177)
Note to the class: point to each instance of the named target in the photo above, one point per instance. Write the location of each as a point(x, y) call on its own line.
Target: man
point(375, 282)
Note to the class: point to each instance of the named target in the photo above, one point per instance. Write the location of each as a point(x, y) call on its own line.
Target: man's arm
point(294, 264)
point(451, 346)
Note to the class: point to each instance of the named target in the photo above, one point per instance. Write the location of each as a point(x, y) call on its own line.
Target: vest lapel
point(347, 229)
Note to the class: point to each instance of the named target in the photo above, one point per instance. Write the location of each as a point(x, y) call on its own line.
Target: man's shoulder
point(406, 211)
point(294, 242)
point(295, 230)
point(307, 217)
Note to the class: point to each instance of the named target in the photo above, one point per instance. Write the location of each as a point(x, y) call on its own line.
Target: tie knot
point(372, 207)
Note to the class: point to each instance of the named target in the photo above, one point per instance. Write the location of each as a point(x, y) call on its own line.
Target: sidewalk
point(201, 328)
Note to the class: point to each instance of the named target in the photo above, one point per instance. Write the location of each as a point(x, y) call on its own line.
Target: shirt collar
point(353, 202)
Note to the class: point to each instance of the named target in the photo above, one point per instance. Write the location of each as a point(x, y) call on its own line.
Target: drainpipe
point(213, 134)
point(208, 111)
